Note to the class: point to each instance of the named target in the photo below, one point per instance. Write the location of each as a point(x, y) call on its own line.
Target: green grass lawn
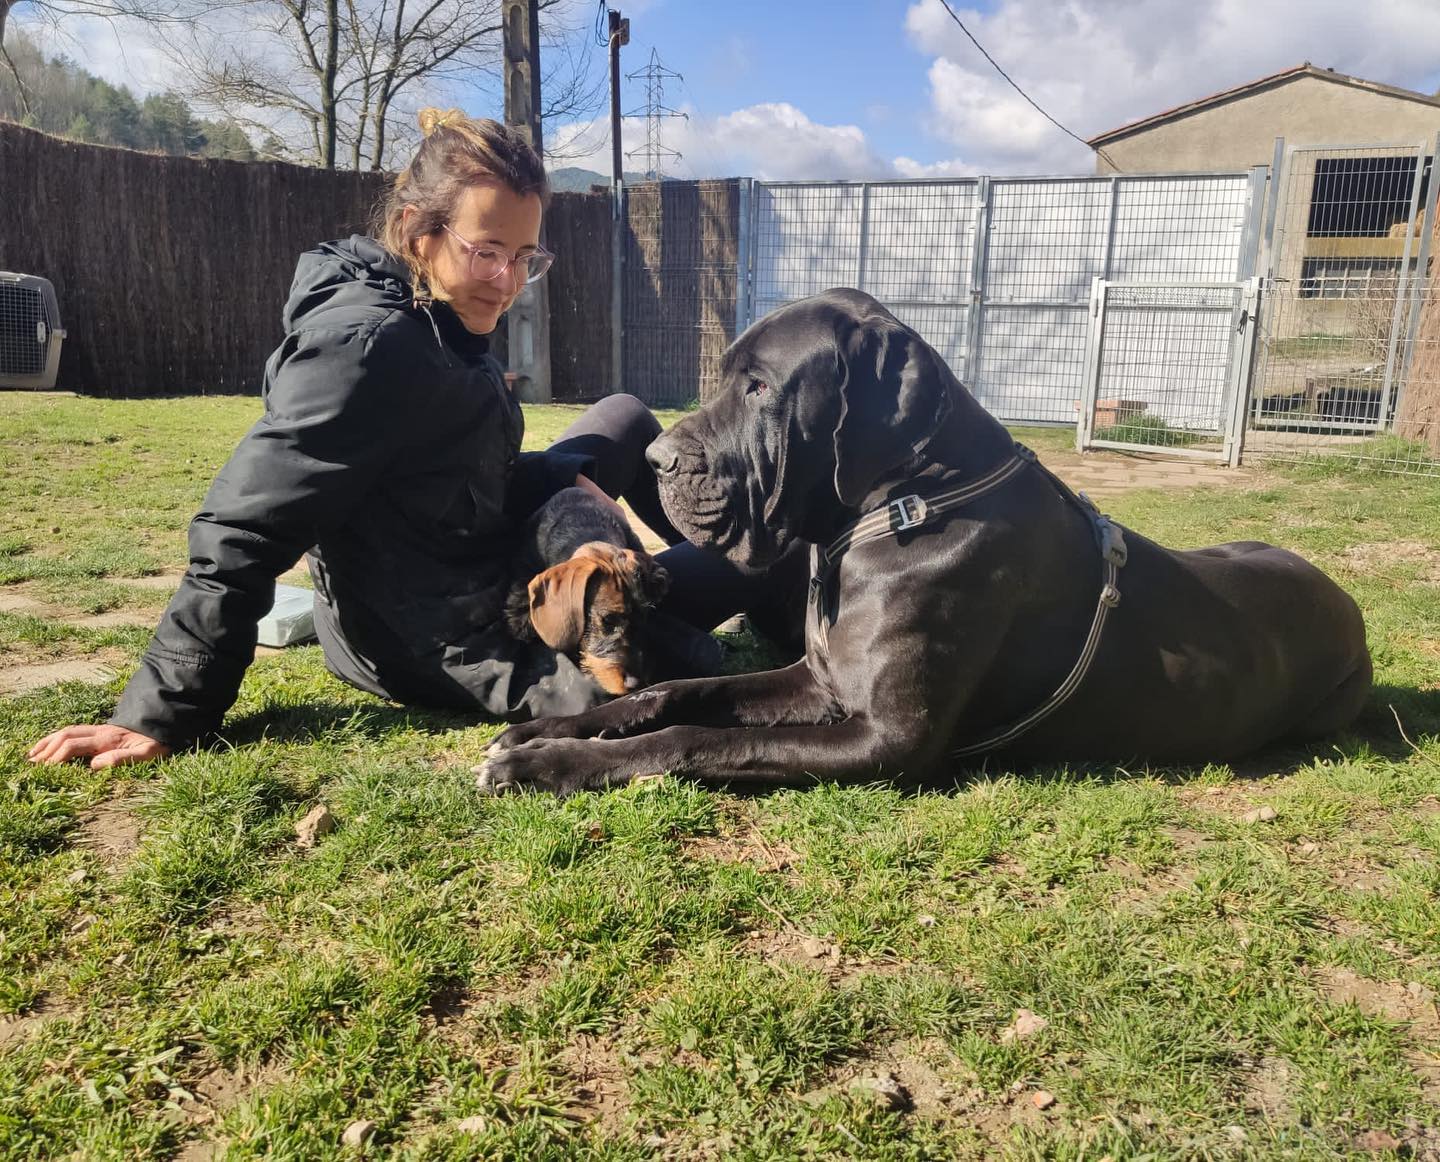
point(669, 971)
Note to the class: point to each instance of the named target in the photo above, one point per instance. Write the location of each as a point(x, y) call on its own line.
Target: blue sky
point(859, 68)
point(880, 88)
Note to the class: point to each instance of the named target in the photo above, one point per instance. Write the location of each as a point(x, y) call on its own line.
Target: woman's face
point(492, 216)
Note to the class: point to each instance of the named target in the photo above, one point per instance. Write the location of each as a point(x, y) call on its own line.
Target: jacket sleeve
point(540, 475)
point(334, 420)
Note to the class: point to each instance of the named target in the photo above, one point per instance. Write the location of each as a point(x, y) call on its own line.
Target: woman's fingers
point(106, 746)
point(142, 751)
point(64, 741)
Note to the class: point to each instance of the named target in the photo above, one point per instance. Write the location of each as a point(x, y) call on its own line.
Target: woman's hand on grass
point(104, 746)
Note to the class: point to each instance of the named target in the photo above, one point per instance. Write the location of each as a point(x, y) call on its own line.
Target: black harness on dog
point(912, 511)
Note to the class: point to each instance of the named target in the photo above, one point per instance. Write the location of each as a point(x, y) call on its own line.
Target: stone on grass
point(1260, 815)
point(358, 1134)
point(814, 948)
point(474, 1124)
point(1025, 1024)
point(317, 823)
point(926, 920)
point(885, 1089)
point(1042, 1099)
point(1374, 1141)
point(77, 876)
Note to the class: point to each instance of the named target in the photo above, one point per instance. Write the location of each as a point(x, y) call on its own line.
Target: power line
point(1098, 149)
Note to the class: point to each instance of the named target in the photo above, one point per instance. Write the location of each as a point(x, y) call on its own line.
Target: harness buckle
point(907, 513)
point(1112, 543)
point(1110, 596)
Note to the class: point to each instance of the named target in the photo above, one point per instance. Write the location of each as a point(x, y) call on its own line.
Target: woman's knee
point(626, 414)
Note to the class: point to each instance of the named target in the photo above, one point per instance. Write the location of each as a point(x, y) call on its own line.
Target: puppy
point(584, 585)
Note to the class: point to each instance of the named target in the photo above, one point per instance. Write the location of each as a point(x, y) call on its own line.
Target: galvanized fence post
point(1420, 281)
point(1402, 285)
point(744, 275)
point(974, 317)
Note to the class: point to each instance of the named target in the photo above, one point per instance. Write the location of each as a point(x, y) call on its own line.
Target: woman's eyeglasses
point(488, 263)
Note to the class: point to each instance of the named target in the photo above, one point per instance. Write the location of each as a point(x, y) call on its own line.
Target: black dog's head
point(818, 402)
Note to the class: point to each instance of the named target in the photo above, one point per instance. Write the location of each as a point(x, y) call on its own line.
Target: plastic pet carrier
point(30, 333)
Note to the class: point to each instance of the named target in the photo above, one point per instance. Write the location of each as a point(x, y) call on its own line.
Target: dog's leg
point(854, 750)
point(770, 698)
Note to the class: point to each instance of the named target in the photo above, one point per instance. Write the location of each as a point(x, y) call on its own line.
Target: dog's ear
point(558, 602)
point(894, 395)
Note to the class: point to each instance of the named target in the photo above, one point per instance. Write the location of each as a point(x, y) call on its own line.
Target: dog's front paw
point(561, 766)
point(559, 726)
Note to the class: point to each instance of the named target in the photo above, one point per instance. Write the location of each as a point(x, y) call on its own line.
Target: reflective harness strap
point(1114, 553)
point(909, 512)
point(912, 511)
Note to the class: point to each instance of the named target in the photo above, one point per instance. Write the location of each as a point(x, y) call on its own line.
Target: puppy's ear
point(557, 603)
point(894, 395)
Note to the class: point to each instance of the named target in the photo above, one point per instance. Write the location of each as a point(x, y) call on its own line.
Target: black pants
point(705, 588)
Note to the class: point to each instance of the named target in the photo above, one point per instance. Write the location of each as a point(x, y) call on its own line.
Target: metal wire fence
point(1348, 366)
point(1167, 367)
point(996, 273)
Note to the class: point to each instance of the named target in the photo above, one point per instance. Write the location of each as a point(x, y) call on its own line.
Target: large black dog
point(975, 610)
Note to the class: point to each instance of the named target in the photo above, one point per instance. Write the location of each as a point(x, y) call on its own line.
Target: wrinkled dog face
point(727, 478)
point(818, 401)
point(587, 607)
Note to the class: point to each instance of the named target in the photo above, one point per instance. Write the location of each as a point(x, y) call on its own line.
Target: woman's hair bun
point(433, 119)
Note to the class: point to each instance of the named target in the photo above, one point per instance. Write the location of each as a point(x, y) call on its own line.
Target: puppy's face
point(585, 607)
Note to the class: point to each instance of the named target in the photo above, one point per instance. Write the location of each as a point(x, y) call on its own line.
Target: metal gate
point(1167, 367)
point(1345, 262)
point(995, 273)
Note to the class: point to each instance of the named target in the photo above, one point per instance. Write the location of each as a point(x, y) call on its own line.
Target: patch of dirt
point(1411, 1004)
point(1269, 1083)
point(1141, 886)
point(111, 829)
point(599, 1072)
point(937, 1087)
point(751, 847)
point(1186, 838)
point(1379, 557)
point(15, 1029)
point(815, 953)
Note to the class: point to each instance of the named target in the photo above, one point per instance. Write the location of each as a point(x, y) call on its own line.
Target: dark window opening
point(1362, 196)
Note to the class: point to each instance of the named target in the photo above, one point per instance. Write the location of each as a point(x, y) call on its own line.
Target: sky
point(786, 89)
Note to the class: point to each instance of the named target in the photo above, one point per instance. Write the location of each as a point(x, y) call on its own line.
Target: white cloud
point(1097, 64)
point(773, 141)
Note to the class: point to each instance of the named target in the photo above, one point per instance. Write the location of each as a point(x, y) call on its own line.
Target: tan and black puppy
point(584, 587)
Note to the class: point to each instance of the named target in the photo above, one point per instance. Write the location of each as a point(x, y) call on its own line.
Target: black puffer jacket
point(390, 452)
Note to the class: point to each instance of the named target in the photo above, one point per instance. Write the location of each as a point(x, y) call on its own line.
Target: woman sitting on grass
point(389, 454)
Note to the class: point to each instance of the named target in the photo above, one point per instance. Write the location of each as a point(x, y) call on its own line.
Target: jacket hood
point(348, 273)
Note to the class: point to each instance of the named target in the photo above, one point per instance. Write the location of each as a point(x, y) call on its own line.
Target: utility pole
point(529, 317)
point(619, 35)
point(655, 75)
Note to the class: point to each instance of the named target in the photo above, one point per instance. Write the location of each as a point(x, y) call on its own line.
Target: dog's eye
point(612, 622)
point(756, 387)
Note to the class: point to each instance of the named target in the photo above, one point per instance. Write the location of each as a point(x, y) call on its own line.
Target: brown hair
point(458, 151)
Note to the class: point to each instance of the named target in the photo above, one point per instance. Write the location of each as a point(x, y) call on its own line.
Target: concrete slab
point(23, 679)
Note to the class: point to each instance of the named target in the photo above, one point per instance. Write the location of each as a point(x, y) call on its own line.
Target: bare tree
point(329, 75)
